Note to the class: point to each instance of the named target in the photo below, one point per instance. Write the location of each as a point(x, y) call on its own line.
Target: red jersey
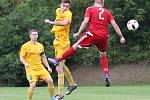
point(99, 18)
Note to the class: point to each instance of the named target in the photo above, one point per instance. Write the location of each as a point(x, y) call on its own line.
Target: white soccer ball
point(132, 25)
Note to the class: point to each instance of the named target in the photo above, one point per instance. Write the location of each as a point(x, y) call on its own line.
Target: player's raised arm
point(118, 31)
point(82, 27)
point(58, 23)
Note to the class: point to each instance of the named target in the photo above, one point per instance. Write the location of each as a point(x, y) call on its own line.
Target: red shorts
point(88, 39)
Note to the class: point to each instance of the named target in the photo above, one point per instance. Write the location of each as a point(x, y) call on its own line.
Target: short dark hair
point(32, 30)
point(100, 1)
point(65, 1)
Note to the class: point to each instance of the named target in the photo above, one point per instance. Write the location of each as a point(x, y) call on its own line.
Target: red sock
point(104, 62)
point(67, 54)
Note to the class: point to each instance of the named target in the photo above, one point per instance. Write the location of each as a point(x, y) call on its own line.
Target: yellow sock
point(51, 89)
point(60, 83)
point(30, 93)
point(68, 75)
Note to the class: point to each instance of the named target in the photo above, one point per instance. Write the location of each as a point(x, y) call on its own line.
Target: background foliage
point(17, 17)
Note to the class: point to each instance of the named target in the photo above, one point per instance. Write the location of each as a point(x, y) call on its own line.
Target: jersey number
point(100, 13)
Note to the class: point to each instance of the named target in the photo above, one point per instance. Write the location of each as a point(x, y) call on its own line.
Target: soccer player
point(61, 30)
point(98, 18)
point(33, 57)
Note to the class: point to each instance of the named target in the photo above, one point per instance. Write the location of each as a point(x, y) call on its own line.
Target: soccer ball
point(132, 25)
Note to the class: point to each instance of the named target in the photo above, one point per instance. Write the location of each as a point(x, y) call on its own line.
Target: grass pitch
point(140, 92)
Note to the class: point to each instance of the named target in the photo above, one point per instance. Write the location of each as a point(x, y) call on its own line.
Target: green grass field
point(141, 92)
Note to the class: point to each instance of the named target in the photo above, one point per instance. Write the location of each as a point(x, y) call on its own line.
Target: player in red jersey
point(98, 18)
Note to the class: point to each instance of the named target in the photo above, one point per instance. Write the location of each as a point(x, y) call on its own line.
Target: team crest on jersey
point(30, 50)
point(40, 49)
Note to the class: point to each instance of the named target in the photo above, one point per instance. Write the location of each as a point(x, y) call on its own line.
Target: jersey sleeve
point(42, 50)
point(23, 50)
point(110, 17)
point(68, 16)
point(57, 10)
point(87, 12)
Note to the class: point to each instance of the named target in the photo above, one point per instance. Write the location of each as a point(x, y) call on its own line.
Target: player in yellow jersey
point(33, 57)
point(61, 30)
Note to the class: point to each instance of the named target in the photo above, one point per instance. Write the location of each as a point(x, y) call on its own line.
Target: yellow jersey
point(32, 54)
point(62, 32)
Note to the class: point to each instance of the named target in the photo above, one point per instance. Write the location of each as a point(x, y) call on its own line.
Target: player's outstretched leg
point(54, 61)
point(65, 55)
point(59, 97)
point(70, 89)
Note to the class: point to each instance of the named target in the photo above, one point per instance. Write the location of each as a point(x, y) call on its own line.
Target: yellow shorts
point(60, 49)
point(34, 75)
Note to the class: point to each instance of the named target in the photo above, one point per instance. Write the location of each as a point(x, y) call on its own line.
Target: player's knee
point(49, 81)
point(33, 84)
point(75, 46)
point(102, 53)
point(59, 69)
